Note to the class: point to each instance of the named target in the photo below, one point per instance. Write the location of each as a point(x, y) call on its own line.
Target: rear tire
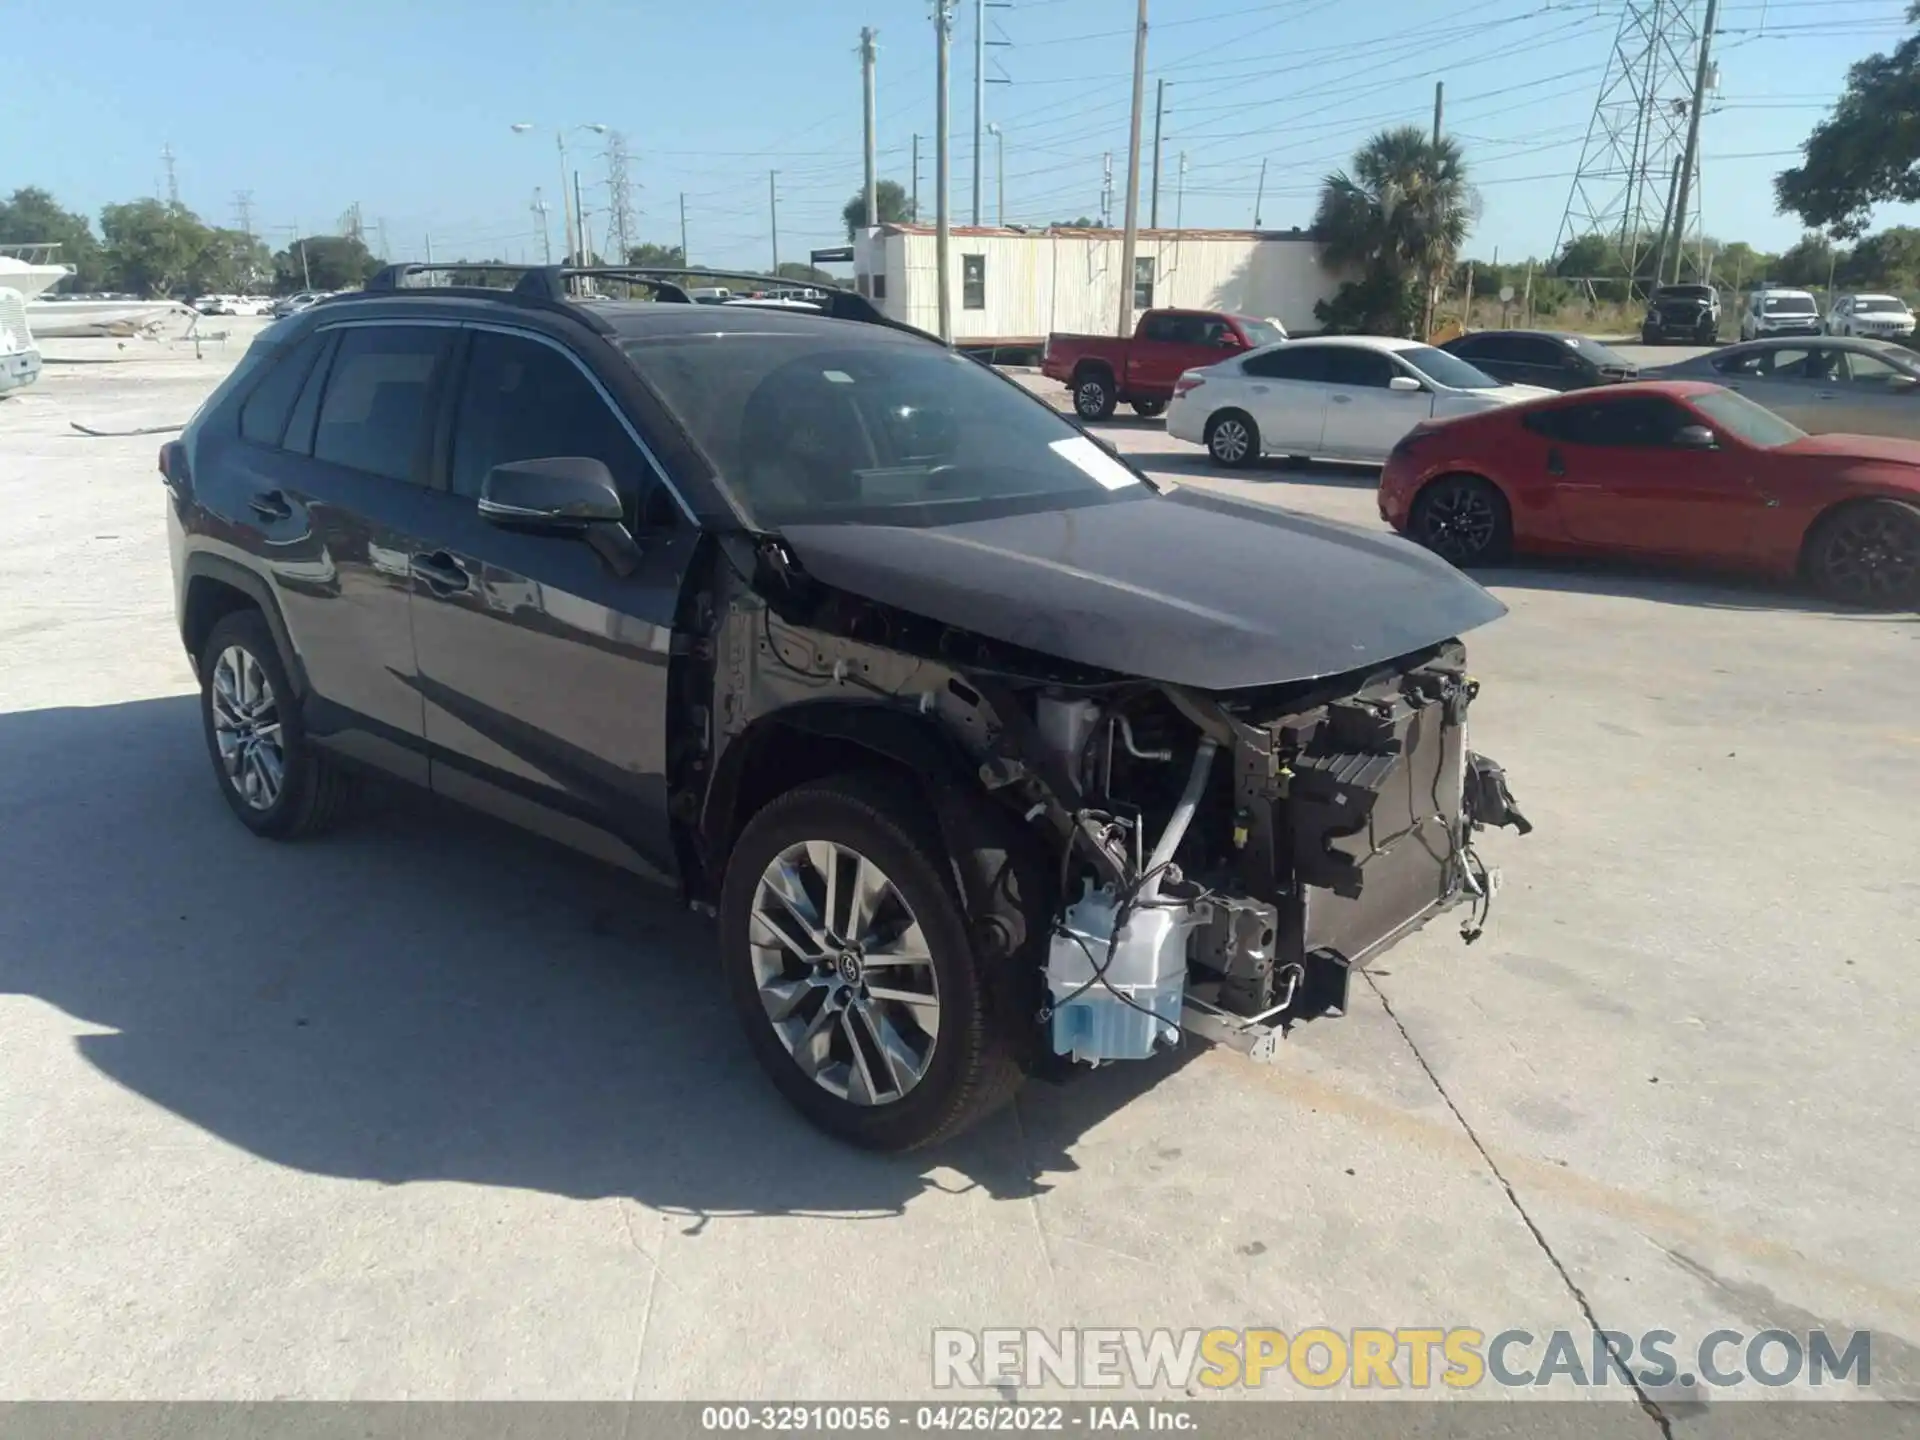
point(273, 778)
point(1233, 439)
point(1094, 396)
point(1867, 554)
point(1463, 519)
point(875, 1071)
point(1147, 409)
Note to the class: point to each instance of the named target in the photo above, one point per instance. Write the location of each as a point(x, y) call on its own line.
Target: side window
point(1357, 368)
point(1531, 350)
point(1560, 423)
point(1870, 370)
point(1290, 362)
point(373, 414)
point(263, 418)
point(1638, 421)
point(299, 436)
point(973, 282)
point(1741, 362)
point(1160, 327)
point(524, 400)
point(1475, 347)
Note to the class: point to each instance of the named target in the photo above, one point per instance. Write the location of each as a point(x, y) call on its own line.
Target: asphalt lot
point(428, 1110)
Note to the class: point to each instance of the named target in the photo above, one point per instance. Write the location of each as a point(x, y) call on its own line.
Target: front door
point(1286, 393)
point(544, 672)
point(1366, 417)
point(1622, 482)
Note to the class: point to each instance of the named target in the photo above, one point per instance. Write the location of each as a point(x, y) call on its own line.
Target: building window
point(973, 282)
point(879, 287)
point(1143, 282)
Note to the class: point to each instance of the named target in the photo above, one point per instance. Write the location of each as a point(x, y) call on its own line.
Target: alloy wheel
point(844, 973)
point(246, 728)
point(1230, 442)
point(1872, 556)
point(1460, 523)
point(1091, 399)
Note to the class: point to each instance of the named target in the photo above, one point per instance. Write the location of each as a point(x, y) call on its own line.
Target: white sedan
point(1338, 397)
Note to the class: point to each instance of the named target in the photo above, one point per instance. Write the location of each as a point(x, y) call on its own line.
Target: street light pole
point(1130, 242)
point(999, 172)
point(568, 218)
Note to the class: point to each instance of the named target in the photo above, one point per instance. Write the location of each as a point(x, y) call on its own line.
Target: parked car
point(1862, 387)
point(952, 718)
point(1102, 370)
point(1345, 397)
point(214, 304)
point(1550, 359)
point(296, 302)
point(1666, 470)
point(1881, 317)
point(1775, 312)
point(1688, 312)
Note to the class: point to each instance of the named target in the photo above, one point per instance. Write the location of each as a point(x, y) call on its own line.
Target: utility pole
point(1159, 106)
point(685, 258)
point(580, 225)
point(942, 236)
point(1132, 238)
point(1692, 152)
point(1666, 225)
point(1106, 191)
point(1259, 194)
point(1180, 194)
point(773, 214)
point(539, 207)
point(429, 247)
point(566, 208)
point(1439, 104)
point(866, 93)
point(167, 158)
point(999, 173)
point(916, 179)
point(979, 94)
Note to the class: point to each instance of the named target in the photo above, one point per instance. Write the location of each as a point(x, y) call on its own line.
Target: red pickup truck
point(1103, 370)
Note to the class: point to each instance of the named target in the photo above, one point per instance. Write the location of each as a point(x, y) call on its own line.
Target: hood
point(1882, 449)
point(1514, 394)
point(1187, 588)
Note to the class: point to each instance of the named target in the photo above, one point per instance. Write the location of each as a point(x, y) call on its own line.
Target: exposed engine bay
point(1218, 861)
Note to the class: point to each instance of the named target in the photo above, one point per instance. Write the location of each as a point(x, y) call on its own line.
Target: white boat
point(32, 271)
point(54, 317)
point(19, 357)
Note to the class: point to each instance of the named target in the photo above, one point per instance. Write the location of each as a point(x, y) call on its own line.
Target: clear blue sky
point(405, 108)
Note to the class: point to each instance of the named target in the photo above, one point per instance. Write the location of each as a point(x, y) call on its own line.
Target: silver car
point(1834, 385)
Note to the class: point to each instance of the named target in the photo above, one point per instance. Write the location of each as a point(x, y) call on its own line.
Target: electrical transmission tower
point(167, 158)
point(619, 197)
point(243, 211)
point(1625, 187)
point(351, 226)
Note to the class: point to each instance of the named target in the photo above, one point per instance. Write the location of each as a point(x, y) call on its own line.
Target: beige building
point(1012, 285)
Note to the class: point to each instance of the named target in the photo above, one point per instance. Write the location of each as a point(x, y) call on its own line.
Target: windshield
point(1259, 332)
point(1747, 421)
point(816, 428)
point(1599, 354)
point(1788, 305)
point(1449, 370)
point(1686, 292)
point(1879, 303)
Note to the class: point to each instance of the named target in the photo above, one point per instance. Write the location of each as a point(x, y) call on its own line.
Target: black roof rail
point(550, 285)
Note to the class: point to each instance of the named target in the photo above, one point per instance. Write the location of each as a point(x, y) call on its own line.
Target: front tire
point(1868, 554)
point(1233, 439)
point(272, 777)
point(1094, 396)
point(848, 959)
point(1463, 519)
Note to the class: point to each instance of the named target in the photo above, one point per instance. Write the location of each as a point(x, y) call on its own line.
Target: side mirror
point(1405, 384)
point(1903, 382)
point(564, 494)
point(1228, 341)
point(1694, 437)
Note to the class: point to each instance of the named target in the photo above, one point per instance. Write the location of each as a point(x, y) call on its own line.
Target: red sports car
point(1668, 470)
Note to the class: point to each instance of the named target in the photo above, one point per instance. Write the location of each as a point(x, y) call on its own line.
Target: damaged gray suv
point(988, 755)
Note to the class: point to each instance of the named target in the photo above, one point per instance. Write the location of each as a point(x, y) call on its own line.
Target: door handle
point(1259, 389)
point(1555, 465)
point(1342, 399)
point(441, 572)
point(271, 505)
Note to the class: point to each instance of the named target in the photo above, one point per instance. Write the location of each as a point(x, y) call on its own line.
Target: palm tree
point(1399, 219)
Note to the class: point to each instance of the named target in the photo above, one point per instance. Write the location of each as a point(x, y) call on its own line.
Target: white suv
point(1883, 317)
point(1779, 312)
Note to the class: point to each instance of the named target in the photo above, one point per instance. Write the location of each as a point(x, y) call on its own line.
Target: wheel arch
point(1091, 367)
point(1826, 513)
point(215, 587)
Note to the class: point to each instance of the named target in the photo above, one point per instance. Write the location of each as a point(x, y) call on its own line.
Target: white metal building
point(1012, 285)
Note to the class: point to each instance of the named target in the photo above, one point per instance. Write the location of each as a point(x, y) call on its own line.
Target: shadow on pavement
point(423, 995)
point(1315, 472)
point(1669, 587)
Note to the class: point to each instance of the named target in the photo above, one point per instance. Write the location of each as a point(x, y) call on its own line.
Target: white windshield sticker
point(1095, 462)
point(838, 377)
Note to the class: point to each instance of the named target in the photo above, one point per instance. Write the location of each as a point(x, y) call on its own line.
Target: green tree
point(30, 216)
point(1887, 260)
point(890, 202)
point(1083, 223)
point(1867, 152)
point(1586, 257)
point(1398, 219)
point(152, 246)
point(806, 274)
point(324, 262)
point(649, 253)
point(1806, 263)
point(231, 262)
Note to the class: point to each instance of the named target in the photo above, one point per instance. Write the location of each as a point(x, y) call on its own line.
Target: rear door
point(1285, 391)
point(1365, 418)
point(343, 502)
point(1622, 483)
point(543, 670)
